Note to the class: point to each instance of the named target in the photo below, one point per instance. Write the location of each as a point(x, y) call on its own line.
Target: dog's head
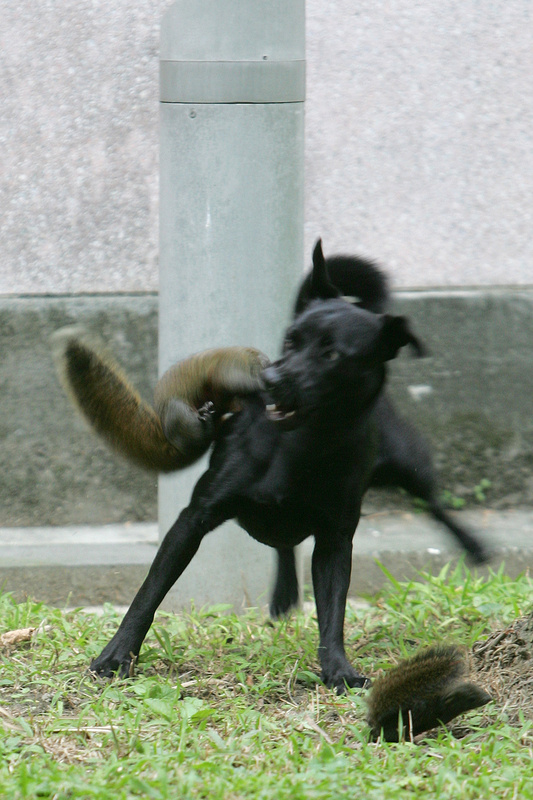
point(370, 280)
point(333, 362)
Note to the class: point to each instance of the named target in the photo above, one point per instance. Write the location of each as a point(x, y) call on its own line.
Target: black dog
point(290, 465)
point(403, 458)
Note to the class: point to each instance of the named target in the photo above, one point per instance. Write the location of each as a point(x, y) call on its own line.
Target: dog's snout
point(270, 376)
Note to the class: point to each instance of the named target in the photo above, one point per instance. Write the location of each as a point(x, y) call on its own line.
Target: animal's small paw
point(206, 411)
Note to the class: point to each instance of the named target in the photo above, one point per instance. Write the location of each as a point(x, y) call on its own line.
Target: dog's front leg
point(177, 549)
point(331, 568)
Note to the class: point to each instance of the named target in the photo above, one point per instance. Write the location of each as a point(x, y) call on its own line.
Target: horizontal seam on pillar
point(232, 81)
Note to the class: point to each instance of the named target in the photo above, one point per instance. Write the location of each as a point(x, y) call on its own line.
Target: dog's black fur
point(295, 464)
point(403, 459)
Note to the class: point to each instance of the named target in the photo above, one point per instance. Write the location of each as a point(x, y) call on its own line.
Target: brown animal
point(190, 398)
point(421, 693)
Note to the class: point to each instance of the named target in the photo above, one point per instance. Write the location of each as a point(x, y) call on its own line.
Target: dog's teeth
point(277, 414)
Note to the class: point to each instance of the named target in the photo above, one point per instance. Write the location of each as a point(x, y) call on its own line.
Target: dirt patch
point(503, 665)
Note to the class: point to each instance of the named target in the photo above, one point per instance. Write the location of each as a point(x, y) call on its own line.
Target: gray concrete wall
point(473, 398)
point(53, 470)
point(419, 150)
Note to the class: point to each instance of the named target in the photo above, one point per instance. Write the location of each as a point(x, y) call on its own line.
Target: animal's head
point(370, 279)
point(333, 361)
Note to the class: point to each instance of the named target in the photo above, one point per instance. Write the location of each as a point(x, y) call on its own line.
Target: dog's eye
point(292, 341)
point(330, 354)
point(287, 345)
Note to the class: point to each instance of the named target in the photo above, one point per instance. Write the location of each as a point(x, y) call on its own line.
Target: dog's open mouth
point(283, 416)
point(278, 413)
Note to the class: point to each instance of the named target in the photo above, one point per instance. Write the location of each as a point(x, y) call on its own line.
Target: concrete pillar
point(232, 85)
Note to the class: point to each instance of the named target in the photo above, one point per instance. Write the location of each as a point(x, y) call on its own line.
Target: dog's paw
point(283, 602)
point(111, 662)
point(479, 555)
point(354, 682)
point(346, 679)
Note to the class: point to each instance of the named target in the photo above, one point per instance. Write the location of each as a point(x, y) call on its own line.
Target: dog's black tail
point(356, 278)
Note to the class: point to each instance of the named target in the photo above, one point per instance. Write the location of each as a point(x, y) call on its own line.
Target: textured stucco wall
point(419, 141)
point(420, 136)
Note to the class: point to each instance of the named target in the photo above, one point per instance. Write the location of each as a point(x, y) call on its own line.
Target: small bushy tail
point(358, 279)
point(425, 690)
point(103, 394)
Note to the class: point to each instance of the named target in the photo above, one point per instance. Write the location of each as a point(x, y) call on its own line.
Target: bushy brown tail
point(427, 689)
point(107, 400)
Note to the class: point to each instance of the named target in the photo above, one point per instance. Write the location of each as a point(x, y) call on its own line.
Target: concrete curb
point(88, 566)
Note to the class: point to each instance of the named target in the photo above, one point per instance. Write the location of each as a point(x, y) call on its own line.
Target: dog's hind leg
point(405, 461)
point(285, 595)
point(406, 477)
point(477, 552)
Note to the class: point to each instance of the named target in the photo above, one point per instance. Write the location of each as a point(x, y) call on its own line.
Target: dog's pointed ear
point(321, 286)
point(396, 334)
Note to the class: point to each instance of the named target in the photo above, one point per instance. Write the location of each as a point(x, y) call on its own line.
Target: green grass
point(226, 706)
